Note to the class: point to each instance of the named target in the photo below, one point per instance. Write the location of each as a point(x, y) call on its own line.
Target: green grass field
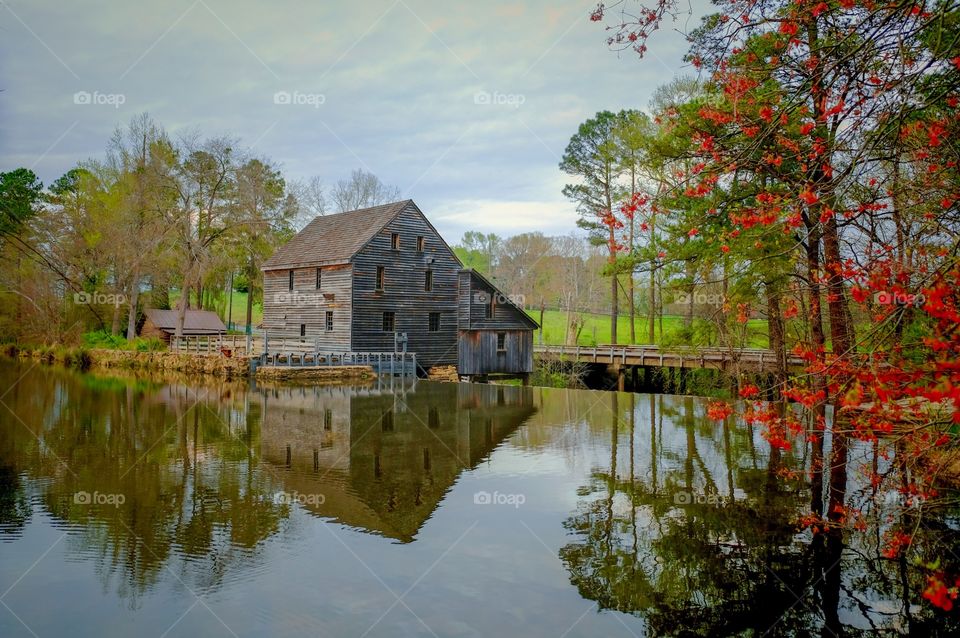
point(239, 315)
point(596, 329)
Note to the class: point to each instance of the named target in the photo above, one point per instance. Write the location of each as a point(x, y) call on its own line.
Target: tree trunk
point(115, 324)
point(837, 310)
point(653, 306)
point(775, 329)
point(134, 300)
point(614, 293)
point(631, 290)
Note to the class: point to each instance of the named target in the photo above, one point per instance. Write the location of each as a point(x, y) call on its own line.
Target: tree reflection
point(659, 541)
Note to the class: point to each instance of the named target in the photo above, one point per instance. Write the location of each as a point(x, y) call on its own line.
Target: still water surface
point(135, 507)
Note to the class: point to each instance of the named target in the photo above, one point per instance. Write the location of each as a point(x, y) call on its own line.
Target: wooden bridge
point(746, 359)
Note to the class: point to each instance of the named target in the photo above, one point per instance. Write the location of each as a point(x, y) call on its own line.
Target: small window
point(290, 281)
point(420, 244)
point(328, 419)
point(488, 309)
point(303, 330)
point(380, 272)
point(434, 323)
point(389, 321)
point(318, 279)
point(433, 418)
point(501, 341)
point(395, 241)
point(329, 324)
point(428, 281)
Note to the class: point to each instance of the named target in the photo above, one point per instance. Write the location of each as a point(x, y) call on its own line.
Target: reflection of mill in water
point(383, 457)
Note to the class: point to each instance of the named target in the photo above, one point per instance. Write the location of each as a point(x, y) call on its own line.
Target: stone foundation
point(443, 373)
point(316, 374)
point(220, 366)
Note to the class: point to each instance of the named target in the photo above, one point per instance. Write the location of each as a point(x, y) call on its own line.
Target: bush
point(151, 344)
point(104, 340)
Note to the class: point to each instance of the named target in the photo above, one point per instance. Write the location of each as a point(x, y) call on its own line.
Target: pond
point(138, 506)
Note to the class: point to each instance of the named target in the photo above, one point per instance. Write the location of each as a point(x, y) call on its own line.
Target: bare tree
point(362, 190)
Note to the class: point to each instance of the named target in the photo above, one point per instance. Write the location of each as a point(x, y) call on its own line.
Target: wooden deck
point(271, 350)
point(750, 359)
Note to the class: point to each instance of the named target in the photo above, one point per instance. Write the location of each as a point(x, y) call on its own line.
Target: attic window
point(428, 281)
point(318, 279)
point(380, 271)
point(290, 281)
point(395, 241)
point(420, 244)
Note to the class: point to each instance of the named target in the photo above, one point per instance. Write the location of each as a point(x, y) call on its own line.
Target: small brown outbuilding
point(163, 324)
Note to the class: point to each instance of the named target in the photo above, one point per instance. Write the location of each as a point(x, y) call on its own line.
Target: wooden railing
point(227, 345)
point(652, 355)
point(285, 350)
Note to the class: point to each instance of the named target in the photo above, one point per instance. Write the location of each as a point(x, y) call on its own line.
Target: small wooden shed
point(163, 324)
point(495, 336)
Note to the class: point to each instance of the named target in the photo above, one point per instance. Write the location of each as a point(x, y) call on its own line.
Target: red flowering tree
point(829, 141)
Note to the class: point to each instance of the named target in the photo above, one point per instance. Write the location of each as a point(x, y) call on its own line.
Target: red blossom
point(939, 594)
point(789, 28)
point(719, 410)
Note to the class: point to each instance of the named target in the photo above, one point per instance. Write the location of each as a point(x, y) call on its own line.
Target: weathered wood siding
point(478, 352)
point(284, 311)
point(477, 340)
point(149, 329)
point(475, 296)
point(403, 292)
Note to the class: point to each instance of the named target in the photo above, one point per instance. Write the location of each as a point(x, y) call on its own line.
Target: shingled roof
point(334, 239)
point(194, 321)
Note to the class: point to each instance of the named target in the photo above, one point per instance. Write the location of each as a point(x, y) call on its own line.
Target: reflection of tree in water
point(697, 566)
point(179, 457)
point(15, 508)
point(198, 467)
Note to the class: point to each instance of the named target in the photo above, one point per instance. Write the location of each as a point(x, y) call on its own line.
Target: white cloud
point(398, 96)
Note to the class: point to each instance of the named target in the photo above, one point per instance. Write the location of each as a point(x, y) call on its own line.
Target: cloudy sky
point(465, 106)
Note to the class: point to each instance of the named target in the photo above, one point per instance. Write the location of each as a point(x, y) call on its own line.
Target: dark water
point(131, 507)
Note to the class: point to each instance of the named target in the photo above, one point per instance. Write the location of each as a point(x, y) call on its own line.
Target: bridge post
point(621, 378)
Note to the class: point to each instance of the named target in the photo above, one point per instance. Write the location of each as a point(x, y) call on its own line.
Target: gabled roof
point(530, 321)
point(194, 322)
point(334, 239)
